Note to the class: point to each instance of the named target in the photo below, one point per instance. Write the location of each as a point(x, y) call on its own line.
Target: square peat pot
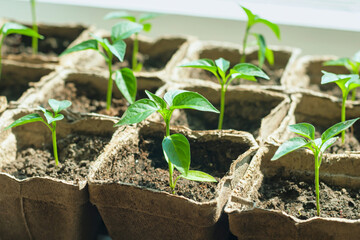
point(18, 77)
point(129, 185)
point(276, 199)
point(56, 39)
point(257, 111)
point(87, 91)
point(39, 200)
point(307, 76)
point(278, 72)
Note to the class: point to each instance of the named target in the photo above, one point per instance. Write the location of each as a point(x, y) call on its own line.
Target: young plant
point(15, 28)
point(317, 146)
point(219, 68)
point(124, 78)
point(346, 83)
point(143, 18)
point(176, 147)
point(34, 27)
point(264, 51)
point(51, 119)
point(352, 65)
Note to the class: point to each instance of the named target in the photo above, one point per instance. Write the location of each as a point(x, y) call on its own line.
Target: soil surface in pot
point(76, 152)
point(297, 198)
point(149, 64)
point(145, 166)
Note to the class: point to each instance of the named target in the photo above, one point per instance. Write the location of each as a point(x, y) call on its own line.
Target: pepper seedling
point(143, 18)
point(51, 119)
point(219, 68)
point(352, 65)
point(346, 83)
point(124, 78)
point(317, 146)
point(176, 147)
point(15, 28)
point(264, 51)
point(34, 42)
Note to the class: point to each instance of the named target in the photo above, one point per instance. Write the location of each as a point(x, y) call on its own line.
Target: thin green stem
point(53, 131)
point(353, 94)
point(343, 116)
point(171, 167)
point(135, 51)
point(317, 191)
point(243, 55)
point(110, 85)
point(222, 106)
point(35, 28)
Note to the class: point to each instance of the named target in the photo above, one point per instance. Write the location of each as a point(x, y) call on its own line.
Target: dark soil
point(297, 198)
point(145, 166)
point(76, 152)
point(148, 64)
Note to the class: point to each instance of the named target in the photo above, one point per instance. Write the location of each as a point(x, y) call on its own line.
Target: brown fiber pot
point(133, 212)
point(45, 207)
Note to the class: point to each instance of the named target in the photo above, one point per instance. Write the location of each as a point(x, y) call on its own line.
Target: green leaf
point(120, 15)
point(89, 44)
point(147, 16)
point(353, 83)
point(222, 66)
point(356, 57)
point(147, 27)
point(199, 176)
point(58, 106)
point(15, 28)
point(126, 82)
point(137, 112)
point(328, 144)
point(337, 128)
point(245, 70)
point(177, 150)
point(304, 129)
point(250, 15)
point(262, 48)
point(339, 79)
point(170, 95)
point(269, 55)
point(274, 27)
point(204, 63)
point(289, 146)
point(50, 118)
point(124, 30)
point(118, 48)
point(337, 62)
point(34, 117)
point(192, 100)
point(158, 100)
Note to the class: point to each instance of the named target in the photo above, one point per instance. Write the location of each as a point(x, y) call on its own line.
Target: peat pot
point(39, 200)
point(129, 184)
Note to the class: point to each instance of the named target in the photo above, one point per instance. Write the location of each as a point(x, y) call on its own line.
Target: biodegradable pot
point(3, 104)
point(56, 39)
point(45, 207)
point(257, 111)
point(284, 60)
point(247, 221)
point(87, 91)
point(134, 212)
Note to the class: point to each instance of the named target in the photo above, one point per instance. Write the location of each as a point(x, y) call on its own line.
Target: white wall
point(312, 41)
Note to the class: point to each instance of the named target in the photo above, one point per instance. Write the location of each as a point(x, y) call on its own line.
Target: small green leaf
point(328, 144)
point(147, 27)
point(89, 44)
point(289, 146)
point(274, 27)
point(177, 149)
point(205, 64)
point(126, 82)
point(192, 100)
point(337, 62)
point(124, 30)
point(332, 77)
point(58, 106)
point(199, 176)
point(120, 15)
point(222, 65)
point(337, 128)
point(304, 129)
point(34, 117)
point(269, 55)
point(250, 15)
point(247, 69)
point(147, 16)
point(262, 48)
point(158, 100)
point(353, 83)
point(118, 48)
point(50, 118)
point(170, 95)
point(137, 112)
point(15, 28)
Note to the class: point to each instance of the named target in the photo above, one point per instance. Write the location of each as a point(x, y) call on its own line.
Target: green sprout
point(352, 65)
point(264, 51)
point(317, 146)
point(51, 119)
point(143, 18)
point(219, 68)
point(124, 78)
point(346, 83)
point(176, 147)
point(15, 28)
point(34, 27)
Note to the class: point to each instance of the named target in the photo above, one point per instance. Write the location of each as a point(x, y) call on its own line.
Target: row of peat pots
point(119, 176)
